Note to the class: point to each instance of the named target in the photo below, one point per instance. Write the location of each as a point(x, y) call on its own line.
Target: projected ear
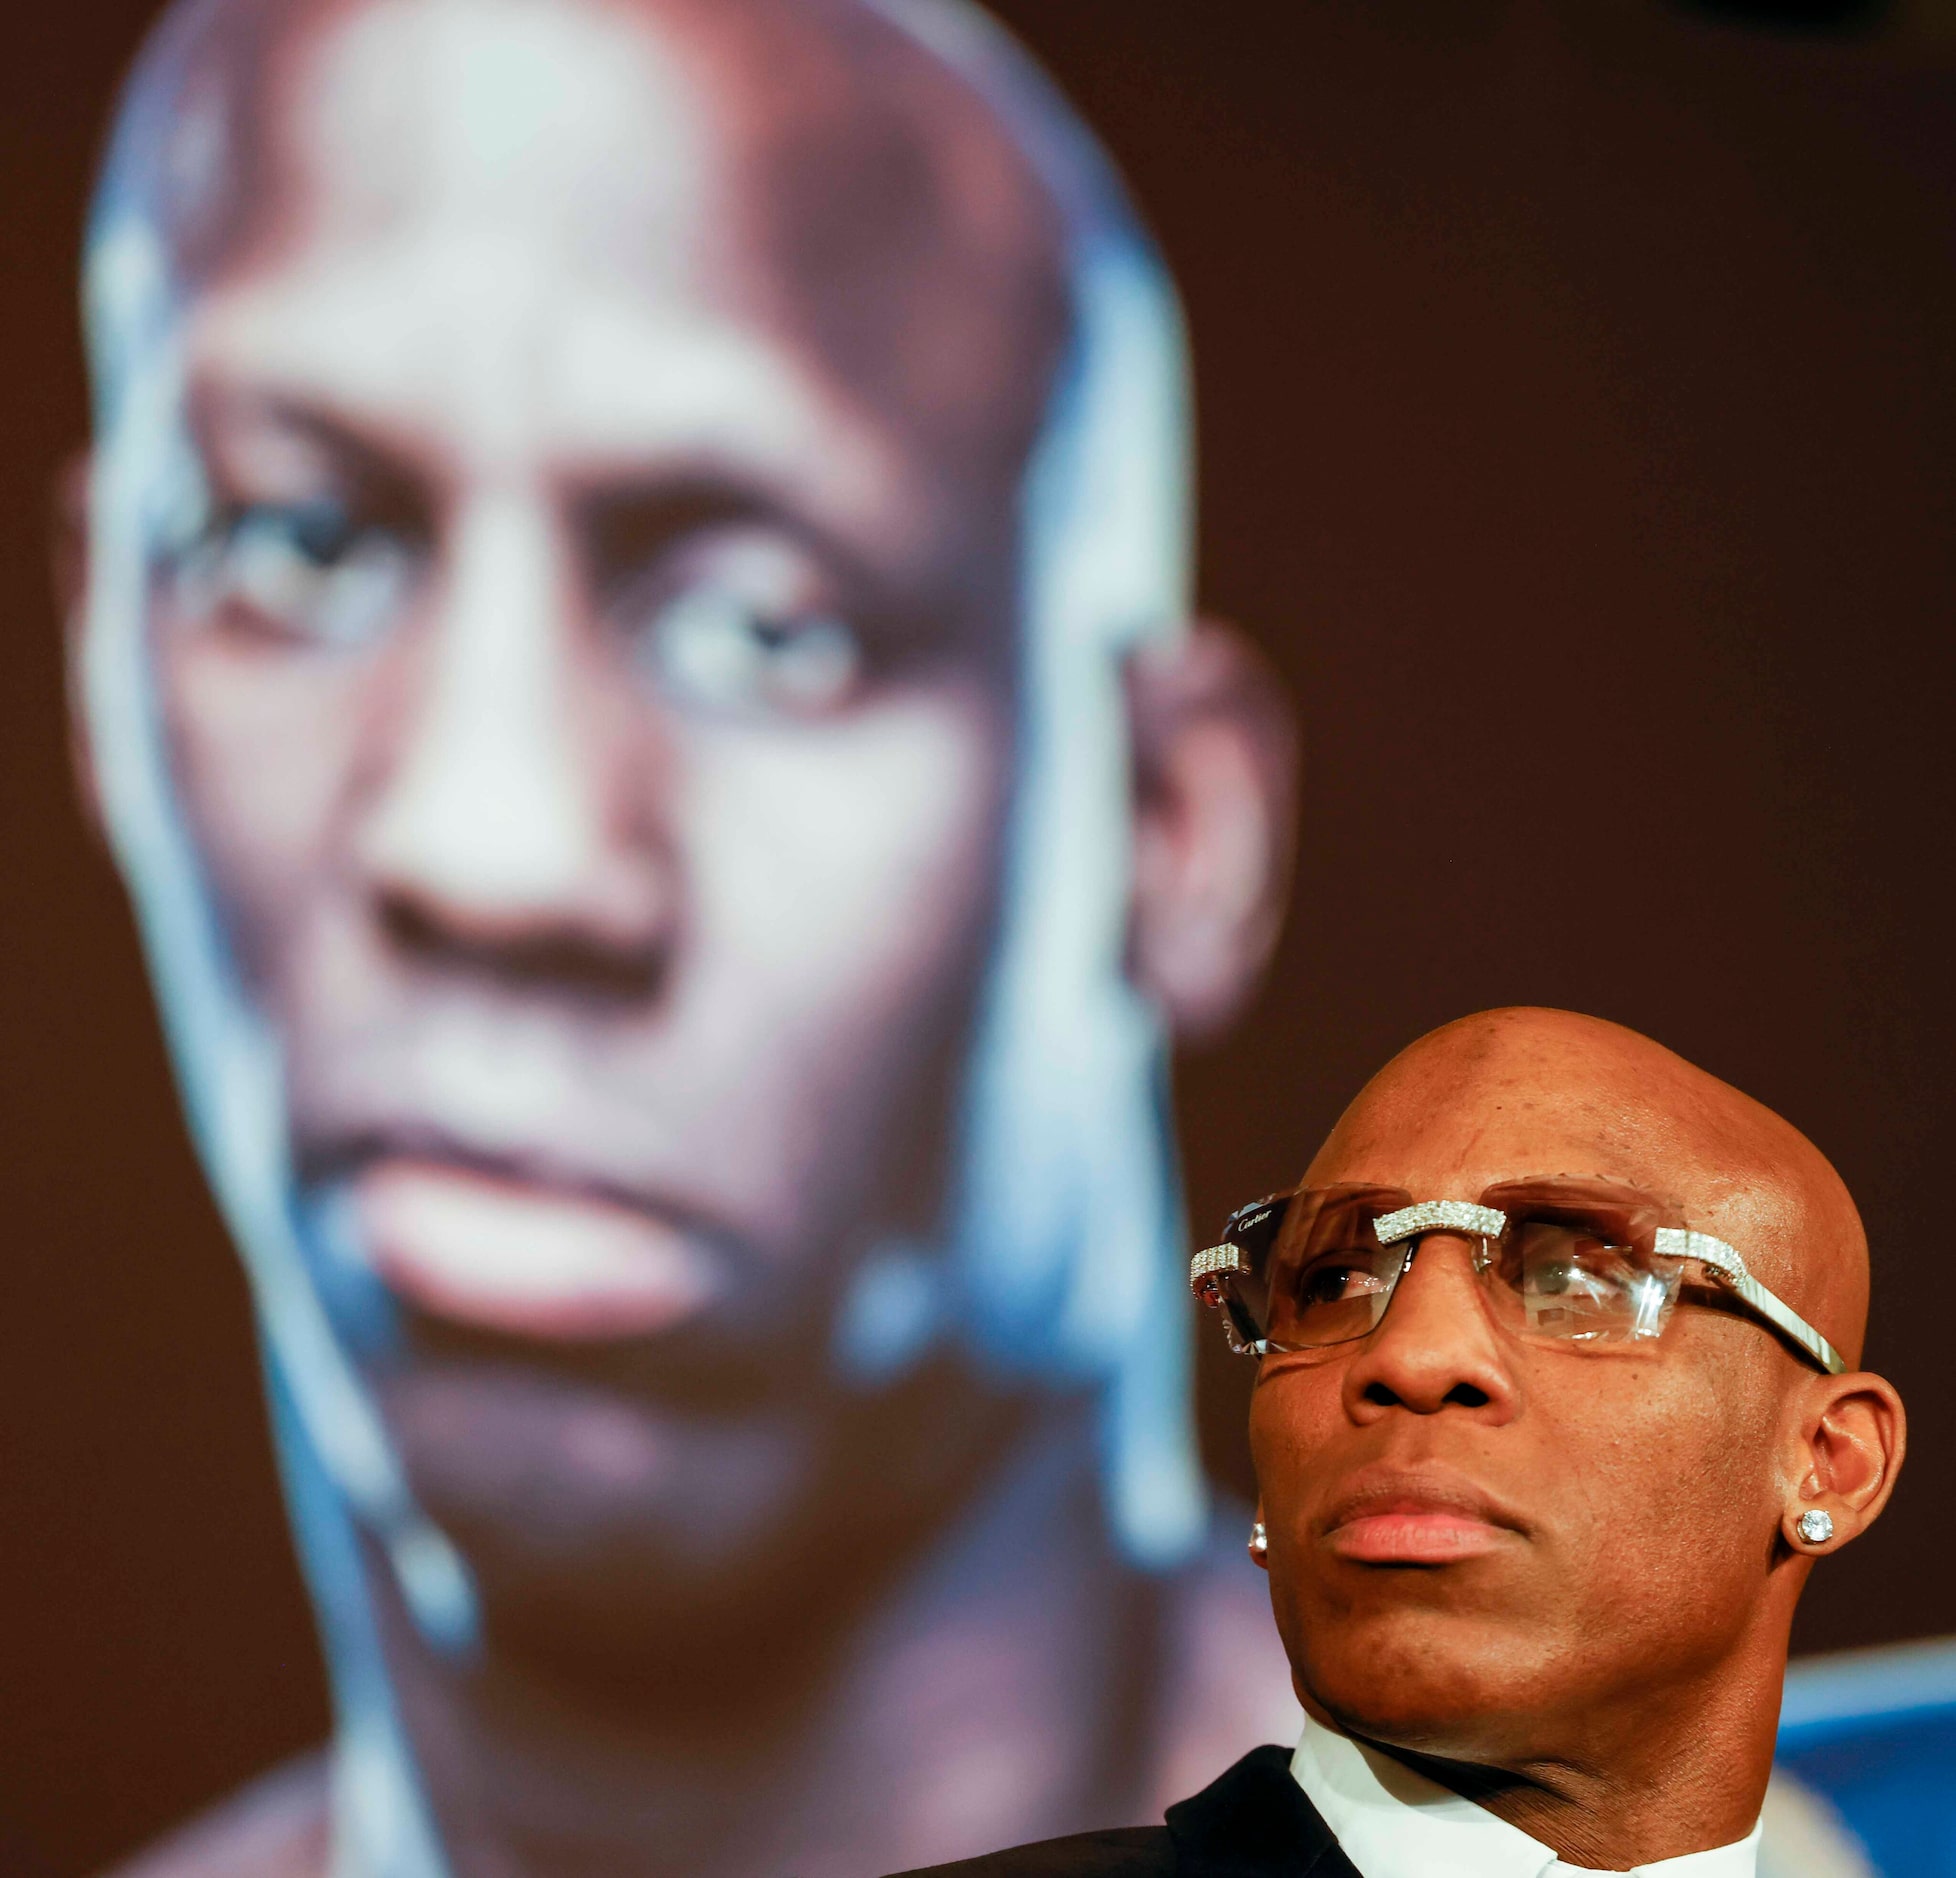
point(1215, 797)
point(69, 543)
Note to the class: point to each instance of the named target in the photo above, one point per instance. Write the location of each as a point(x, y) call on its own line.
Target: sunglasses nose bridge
point(1478, 1246)
point(1437, 1338)
point(1478, 1250)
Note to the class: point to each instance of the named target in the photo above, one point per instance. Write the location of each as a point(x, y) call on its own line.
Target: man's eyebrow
point(381, 463)
point(634, 512)
point(630, 517)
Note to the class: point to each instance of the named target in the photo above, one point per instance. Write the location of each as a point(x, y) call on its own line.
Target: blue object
point(1874, 1733)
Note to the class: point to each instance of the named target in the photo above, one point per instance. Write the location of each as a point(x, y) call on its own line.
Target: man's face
point(1477, 1543)
point(592, 696)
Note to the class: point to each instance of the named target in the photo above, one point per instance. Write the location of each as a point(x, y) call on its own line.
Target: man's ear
point(69, 542)
point(1852, 1437)
point(1215, 801)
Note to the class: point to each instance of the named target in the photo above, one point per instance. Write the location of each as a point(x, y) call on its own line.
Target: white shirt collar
point(1394, 1823)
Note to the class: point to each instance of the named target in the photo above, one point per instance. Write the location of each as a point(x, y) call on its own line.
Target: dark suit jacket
point(1252, 1823)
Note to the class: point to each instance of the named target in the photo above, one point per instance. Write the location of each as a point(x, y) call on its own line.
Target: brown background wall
point(1576, 393)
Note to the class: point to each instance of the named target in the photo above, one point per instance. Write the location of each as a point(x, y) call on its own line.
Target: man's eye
point(1334, 1282)
point(1588, 1270)
point(712, 646)
point(302, 570)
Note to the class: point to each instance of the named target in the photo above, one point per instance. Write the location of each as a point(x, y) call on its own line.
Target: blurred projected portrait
point(635, 659)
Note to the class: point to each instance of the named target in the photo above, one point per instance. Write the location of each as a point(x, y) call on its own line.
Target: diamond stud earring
point(1816, 1526)
point(1259, 1540)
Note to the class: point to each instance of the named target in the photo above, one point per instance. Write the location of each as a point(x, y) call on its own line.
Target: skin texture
point(1600, 1661)
point(593, 698)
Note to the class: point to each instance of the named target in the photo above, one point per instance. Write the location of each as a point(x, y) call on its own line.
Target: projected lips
point(502, 1253)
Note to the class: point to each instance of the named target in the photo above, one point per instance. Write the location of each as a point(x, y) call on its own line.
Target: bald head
point(800, 162)
point(1479, 1517)
point(1507, 1094)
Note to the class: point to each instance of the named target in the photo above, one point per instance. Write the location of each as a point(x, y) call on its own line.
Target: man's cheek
point(264, 750)
point(869, 845)
point(1296, 1425)
point(1659, 1482)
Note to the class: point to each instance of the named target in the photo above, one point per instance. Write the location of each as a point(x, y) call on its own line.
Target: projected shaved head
point(1565, 1566)
point(808, 166)
point(631, 516)
point(591, 687)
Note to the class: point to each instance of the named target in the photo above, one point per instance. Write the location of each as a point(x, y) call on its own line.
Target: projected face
point(590, 686)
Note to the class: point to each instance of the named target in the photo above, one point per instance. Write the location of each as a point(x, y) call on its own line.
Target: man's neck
point(1674, 1771)
point(1392, 1821)
point(985, 1695)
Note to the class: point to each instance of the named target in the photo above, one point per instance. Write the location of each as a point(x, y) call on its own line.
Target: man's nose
point(1436, 1347)
point(510, 811)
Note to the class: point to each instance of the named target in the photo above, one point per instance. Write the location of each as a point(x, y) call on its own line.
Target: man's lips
point(502, 1253)
point(1414, 1522)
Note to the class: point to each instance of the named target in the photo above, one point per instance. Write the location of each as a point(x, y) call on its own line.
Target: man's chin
point(1453, 1687)
point(679, 1508)
point(602, 1529)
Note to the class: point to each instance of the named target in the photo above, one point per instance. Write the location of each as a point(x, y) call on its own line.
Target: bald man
point(1556, 1411)
point(632, 648)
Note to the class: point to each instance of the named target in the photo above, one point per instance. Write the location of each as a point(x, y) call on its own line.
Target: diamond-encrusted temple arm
point(1485, 1222)
point(1211, 1265)
point(1725, 1263)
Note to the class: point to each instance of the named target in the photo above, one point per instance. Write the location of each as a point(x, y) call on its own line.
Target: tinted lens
point(1245, 1298)
point(1337, 1297)
point(1328, 1279)
point(1305, 1268)
point(1573, 1283)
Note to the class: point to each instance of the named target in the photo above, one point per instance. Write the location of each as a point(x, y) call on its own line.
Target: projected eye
point(715, 648)
point(307, 571)
point(741, 625)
